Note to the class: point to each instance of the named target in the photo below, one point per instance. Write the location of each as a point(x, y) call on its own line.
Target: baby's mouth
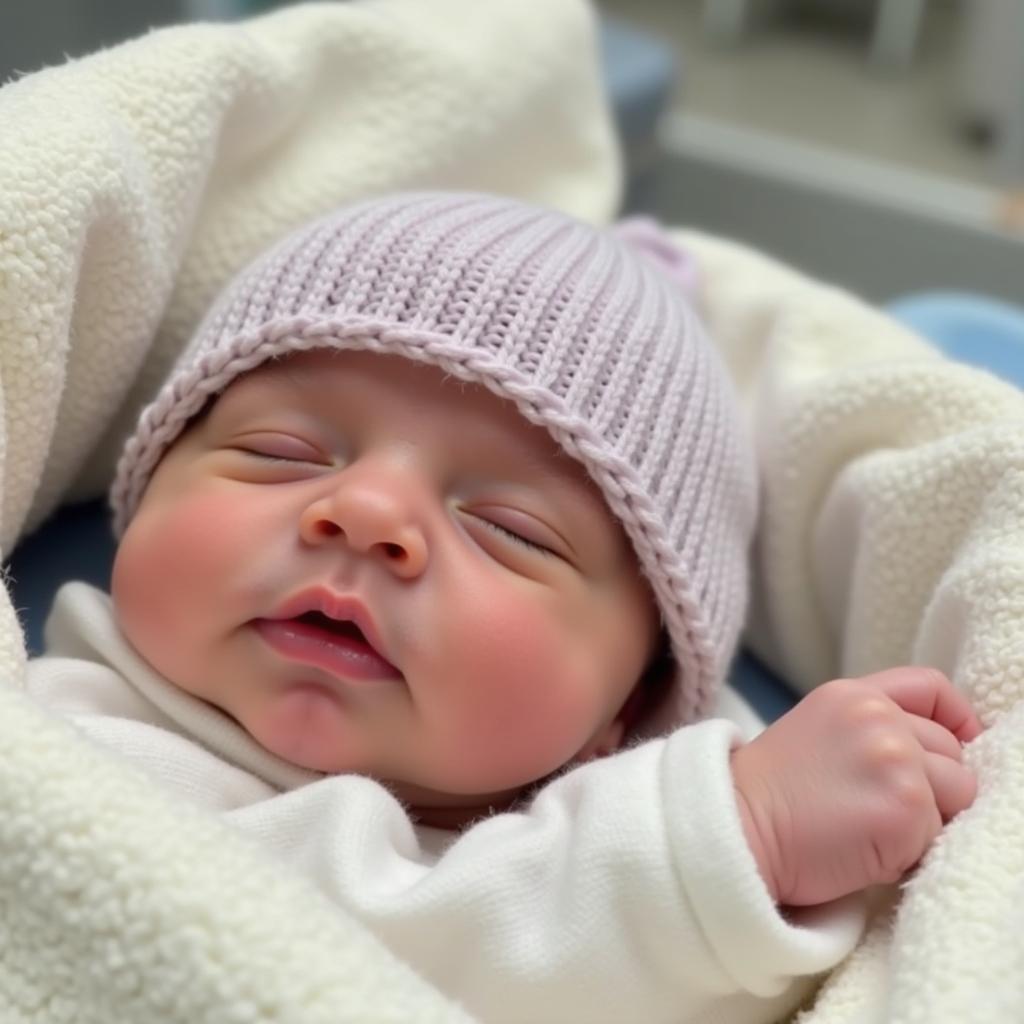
point(337, 646)
point(337, 627)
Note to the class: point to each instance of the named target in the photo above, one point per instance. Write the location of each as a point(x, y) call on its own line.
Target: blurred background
point(876, 143)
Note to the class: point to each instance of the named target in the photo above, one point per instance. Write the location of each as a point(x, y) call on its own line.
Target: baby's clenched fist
point(850, 788)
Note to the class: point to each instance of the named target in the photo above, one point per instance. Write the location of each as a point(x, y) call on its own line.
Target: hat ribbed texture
point(586, 334)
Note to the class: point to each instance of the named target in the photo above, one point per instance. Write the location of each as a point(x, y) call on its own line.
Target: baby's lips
point(339, 607)
point(343, 654)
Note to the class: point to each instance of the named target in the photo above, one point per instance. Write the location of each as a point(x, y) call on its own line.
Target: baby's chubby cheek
point(169, 570)
point(526, 698)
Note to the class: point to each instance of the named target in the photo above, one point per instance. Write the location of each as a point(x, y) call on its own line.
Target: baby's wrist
point(758, 833)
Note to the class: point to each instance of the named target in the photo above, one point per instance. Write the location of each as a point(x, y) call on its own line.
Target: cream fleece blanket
point(893, 533)
point(133, 183)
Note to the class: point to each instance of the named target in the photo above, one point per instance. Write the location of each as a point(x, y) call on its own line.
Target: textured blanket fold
point(893, 533)
point(133, 183)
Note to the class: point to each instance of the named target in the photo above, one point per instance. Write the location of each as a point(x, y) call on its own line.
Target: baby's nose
point(373, 516)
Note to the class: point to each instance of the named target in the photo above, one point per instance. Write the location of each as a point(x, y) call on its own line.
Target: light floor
point(813, 83)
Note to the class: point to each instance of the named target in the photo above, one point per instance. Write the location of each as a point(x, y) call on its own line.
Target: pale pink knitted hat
point(589, 332)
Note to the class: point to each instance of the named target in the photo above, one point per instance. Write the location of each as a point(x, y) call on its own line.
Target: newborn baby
point(433, 557)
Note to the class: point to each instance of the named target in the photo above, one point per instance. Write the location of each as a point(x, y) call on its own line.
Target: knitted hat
point(588, 332)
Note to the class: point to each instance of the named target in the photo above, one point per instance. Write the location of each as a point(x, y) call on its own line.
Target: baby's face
point(498, 621)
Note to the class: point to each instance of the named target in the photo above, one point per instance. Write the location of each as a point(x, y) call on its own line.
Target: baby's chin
point(305, 727)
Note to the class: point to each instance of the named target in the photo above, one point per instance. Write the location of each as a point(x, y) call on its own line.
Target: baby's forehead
point(337, 384)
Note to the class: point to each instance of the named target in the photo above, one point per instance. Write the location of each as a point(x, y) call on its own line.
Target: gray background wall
point(877, 246)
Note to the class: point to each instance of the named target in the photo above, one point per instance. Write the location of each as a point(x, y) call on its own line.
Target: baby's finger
point(925, 691)
point(935, 738)
point(953, 785)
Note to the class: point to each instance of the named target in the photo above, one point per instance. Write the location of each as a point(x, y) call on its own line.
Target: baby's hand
point(850, 787)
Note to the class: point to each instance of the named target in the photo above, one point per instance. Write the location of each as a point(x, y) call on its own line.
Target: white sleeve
point(625, 891)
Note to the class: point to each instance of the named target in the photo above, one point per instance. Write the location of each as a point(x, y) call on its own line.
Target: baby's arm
point(852, 786)
point(625, 891)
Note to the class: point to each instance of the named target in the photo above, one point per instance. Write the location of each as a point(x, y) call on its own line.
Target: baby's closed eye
point(517, 527)
point(280, 448)
point(505, 532)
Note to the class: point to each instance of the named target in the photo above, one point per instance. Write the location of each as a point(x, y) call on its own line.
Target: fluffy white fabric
point(132, 185)
point(893, 533)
